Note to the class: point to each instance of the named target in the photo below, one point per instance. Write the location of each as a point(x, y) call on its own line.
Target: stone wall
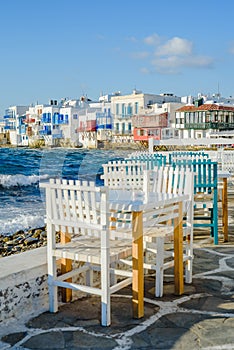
point(23, 284)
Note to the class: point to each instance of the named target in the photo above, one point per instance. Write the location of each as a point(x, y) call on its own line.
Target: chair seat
point(202, 201)
point(89, 250)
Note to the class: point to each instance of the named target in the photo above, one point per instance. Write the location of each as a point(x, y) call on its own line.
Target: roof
point(206, 107)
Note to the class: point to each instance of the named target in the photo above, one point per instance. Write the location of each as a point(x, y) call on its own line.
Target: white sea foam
point(8, 181)
point(21, 222)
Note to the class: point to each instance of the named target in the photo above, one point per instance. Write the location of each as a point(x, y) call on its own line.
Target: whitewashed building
point(124, 107)
point(14, 125)
point(95, 123)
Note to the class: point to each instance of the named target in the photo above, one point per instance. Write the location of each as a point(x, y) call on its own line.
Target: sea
point(22, 201)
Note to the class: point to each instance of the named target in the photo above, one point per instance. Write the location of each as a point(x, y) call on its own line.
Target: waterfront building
point(14, 126)
point(95, 123)
point(124, 107)
point(158, 122)
point(204, 120)
point(33, 123)
point(50, 118)
point(67, 121)
point(116, 118)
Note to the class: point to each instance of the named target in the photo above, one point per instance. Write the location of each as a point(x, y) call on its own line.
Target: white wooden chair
point(156, 233)
point(124, 175)
point(80, 211)
point(177, 181)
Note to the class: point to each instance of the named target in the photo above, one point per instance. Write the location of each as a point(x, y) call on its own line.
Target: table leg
point(137, 265)
point(178, 252)
point(66, 266)
point(225, 210)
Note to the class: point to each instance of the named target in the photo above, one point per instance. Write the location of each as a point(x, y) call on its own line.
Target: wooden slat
point(66, 266)
point(225, 210)
point(137, 266)
point(178, 251)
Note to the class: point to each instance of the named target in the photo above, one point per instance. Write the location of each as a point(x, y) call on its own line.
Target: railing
point(209, 125)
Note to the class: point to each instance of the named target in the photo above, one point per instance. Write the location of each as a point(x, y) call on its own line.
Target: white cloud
point(175, 46)
point(174, 64)
point(153, 39)
point(171, 56)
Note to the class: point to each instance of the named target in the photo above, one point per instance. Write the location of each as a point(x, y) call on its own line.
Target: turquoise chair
point(205, 193)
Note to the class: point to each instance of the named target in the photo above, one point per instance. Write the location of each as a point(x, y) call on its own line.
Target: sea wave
point(21, 222)
point(8, 181)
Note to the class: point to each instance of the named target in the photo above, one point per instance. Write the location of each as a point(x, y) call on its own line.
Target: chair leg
point(189, 245)
point(105, 286)
point(53, 290)
point(189, 263)
point(52, 269)
point(159, 267)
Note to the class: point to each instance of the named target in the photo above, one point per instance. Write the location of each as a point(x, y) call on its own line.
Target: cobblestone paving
point(203, 318)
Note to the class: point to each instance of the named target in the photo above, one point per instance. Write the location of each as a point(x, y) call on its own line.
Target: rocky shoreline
point(22, 241)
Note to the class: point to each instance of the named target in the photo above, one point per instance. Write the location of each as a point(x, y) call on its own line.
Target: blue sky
point(52, 49)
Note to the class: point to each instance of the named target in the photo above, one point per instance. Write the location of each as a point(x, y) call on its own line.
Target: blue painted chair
point(205, 193)
point(151, 160)
point(185, 155)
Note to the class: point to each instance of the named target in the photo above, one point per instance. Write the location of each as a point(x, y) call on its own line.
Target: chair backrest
point(187, 156)
point(205, 174)
point(150, 160)
point(168, 179)
point(124, 175)
point(77, 207)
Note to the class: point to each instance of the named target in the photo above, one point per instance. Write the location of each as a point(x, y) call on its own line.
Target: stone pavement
point(202, 318)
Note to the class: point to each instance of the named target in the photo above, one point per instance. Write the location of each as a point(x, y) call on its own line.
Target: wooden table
point(224, 175)
point(138, 203)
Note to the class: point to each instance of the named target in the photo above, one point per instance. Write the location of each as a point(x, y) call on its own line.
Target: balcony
point(45, 132)
point(209, 125)
point(9, 127)
point(123, 116)
point(46, 120)
point(122, 132)
point(104, 126)
point(222, 126)
point(89, 125)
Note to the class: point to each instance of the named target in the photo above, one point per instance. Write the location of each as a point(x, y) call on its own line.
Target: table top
point(138, 200)
point(224, 174)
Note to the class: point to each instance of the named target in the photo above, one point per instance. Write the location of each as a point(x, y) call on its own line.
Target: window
point(123, 110)
point(136, 107)
point(117, 108)
point(187, 118)
point(129, 110)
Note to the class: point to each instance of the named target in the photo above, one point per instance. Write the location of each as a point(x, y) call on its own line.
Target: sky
point(52, 49)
